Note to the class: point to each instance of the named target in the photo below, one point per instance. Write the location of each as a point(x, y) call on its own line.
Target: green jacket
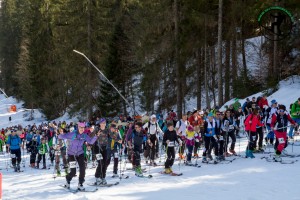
point(43, 148)
point(236, 105)
point(295, 112)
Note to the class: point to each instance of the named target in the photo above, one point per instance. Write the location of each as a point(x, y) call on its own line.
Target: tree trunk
point(220, 82)
point(213, 74)
point(177, 59)
point(198, 78)
point(227, 71)
point(207, 99)
point(233, 65)
point(89, 68)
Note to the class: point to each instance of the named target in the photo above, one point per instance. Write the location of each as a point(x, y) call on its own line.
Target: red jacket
point(251, 126)
point(263, 102)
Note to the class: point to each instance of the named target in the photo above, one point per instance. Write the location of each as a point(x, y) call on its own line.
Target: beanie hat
point(102, 120)
point(190, 128)
point(153, 116)
point(273, 101)
point(210, 114)
point(81, 124)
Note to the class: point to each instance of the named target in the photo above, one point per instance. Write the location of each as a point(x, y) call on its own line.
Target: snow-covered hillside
point(288, 92)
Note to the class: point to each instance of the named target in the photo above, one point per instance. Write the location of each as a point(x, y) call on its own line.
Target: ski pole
point(106, 80)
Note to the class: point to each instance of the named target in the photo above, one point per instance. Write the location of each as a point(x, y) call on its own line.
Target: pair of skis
point(88, 189)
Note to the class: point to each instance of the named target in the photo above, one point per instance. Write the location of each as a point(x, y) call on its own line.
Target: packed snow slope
point(288, 92)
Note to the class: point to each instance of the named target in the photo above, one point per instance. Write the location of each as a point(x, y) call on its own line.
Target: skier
point(210, 137)
point(295, 113)
point(33, 148)
point(259, 132)
point(169, 139)
point(14, 143)
point(251, 122)
point(270, 111)
point(196, 121)
point(152, 147)
point(181, 127)
point(135, 142)
point(220, 135)
point(191, 136)
point(100, 150)
point(279, 125)
point(60, 148)
point(238, 116)
point(76, 154)
point(113, 148)
point(42, 150)
point(229, 128)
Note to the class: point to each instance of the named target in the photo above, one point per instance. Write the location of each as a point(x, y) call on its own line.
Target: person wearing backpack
point(153, 132)
point(262, 102)
point(251, 122)
point(42, 150)
point(60, 149)
point(295, 114)
point(14, 143)
point(181, 127)
point(76, 154)
point(135, 142)
point(270, 111)
point(279, 124)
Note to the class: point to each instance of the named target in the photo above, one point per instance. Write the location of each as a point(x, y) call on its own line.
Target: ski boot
point(80, 187)
point(152, 163)
point(98, 181)
point(249, 154)
point(37, 166)
point(168, 171)
point(103, 181)
point(15, 168)
point(233, 152)
point(204, 160)
point(115, 175)
point(44, 166)
point(67, 185)
point(277, 158)
point(138, 171)
point(18, 168)
point(58, 173)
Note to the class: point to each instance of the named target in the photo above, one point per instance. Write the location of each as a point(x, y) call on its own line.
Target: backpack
point(258, 100)
point(149, 124)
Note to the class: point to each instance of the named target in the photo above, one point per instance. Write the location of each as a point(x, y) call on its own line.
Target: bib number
point(231, 127)
point(281, 140)
point(197, 140)
point(253, 137)
point(40, 152)
point(171, 144)
point(221, 138)
point(116, 155)
point(72, 164)
point(99, 156)
point(57, 153)
point(13, 155)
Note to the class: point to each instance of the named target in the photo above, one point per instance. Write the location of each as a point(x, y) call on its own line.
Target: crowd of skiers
point(100, 141)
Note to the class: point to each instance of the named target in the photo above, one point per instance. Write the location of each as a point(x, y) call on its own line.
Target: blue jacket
point(14, 142)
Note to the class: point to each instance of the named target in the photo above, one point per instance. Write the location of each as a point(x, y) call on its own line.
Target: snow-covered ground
point(243, 179)
point(288, 92)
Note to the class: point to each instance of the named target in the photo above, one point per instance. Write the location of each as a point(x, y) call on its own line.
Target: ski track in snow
point(249, 179)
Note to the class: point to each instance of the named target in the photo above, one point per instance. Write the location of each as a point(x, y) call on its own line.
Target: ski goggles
point(281, 110)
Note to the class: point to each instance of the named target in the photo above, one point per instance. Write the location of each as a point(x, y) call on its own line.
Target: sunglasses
point(281, 110)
